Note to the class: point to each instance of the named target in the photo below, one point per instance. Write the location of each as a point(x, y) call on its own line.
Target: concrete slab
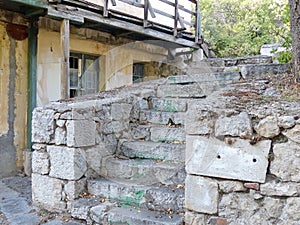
point(238, 161)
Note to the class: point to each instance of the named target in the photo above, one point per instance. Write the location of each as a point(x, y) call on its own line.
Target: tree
point(241, 27)
point(295, 31)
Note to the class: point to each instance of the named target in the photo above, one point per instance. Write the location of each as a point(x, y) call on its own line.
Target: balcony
point(174, 24)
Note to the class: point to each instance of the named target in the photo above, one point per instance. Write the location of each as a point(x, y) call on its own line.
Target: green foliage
point(241, 27)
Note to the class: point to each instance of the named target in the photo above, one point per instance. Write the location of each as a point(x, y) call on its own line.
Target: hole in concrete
point(218, 156)
point(254, 160)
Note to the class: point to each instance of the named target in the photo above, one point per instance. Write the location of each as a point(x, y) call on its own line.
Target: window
point(138, 72)
point(84, 74)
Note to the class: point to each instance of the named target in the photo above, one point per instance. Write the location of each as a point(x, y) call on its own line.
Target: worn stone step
point(144, 172)
point(264, 70)
point(144, 197)
point(140, 132)
point(226, 62)
point(169, 104)
point(139, 217)
point(159, 117)
point(153, 150)
point(180, 91)
point(167, 134)
point(204, 69)
point(204, 79)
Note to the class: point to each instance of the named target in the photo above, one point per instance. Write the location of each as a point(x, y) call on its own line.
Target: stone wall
point(73, 138)
point(242, 157)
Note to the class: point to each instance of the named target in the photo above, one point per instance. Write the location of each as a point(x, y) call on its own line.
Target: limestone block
point(268, 127)
point(67, 163)
point(166, 134)
point(120, 111)
point(98, 212)
point(192, 218)
point(238, 208)
point(273, 207)
point(40, 162)
point(145, 172)
point(201, 194)
point(153, 150)
point(169, 104)
point(94, 156)
point(114, 127)
point(242, 208)
point(228, 186)
point(236, 126)
point(293, 134)
point(80, 133)
point(286, 121)
point(80, 208)
point(286, 163)
point(274, 188)
point(290, 212)
point(238, 161)
point(73, 189)
point(200, 119)
point(47, 193)
point(60, 136)
point(42, 125)
point(158, 117)
point(141, 132)
point(264, 70)
point(132, 216)
point(78, 114)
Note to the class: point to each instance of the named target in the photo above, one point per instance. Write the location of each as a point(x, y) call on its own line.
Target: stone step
point(143, 197)
point(169, 104)
point(209, 70)
point(204, 69)
point(137, 217)
point(264, 70)
point(167, 134)
point(227, 62)
point(144, 172)
point(163, 118)
point(153, 150)
point(205, 79)
point(191, 90)
point(141, 132)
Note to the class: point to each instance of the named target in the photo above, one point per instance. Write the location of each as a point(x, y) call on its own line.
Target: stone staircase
point(144, 182)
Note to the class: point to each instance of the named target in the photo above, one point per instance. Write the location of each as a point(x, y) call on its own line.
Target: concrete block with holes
point(238, 160)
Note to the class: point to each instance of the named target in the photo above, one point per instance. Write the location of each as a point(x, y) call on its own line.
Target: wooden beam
point(65, 46)
point(65, 15)
point(136, 28)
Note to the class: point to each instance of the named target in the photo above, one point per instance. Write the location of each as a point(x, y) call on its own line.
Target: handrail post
point(197, 23)
point(176, 19)
point(146, 9)
point(105, 8)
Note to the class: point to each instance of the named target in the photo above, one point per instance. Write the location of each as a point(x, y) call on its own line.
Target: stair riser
point(169, 104)
point(149, 198)
point(155, 151)
point(180, 91)
point(162, 118)
point(142, 172)
point(205, 79)
point(159, 134)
